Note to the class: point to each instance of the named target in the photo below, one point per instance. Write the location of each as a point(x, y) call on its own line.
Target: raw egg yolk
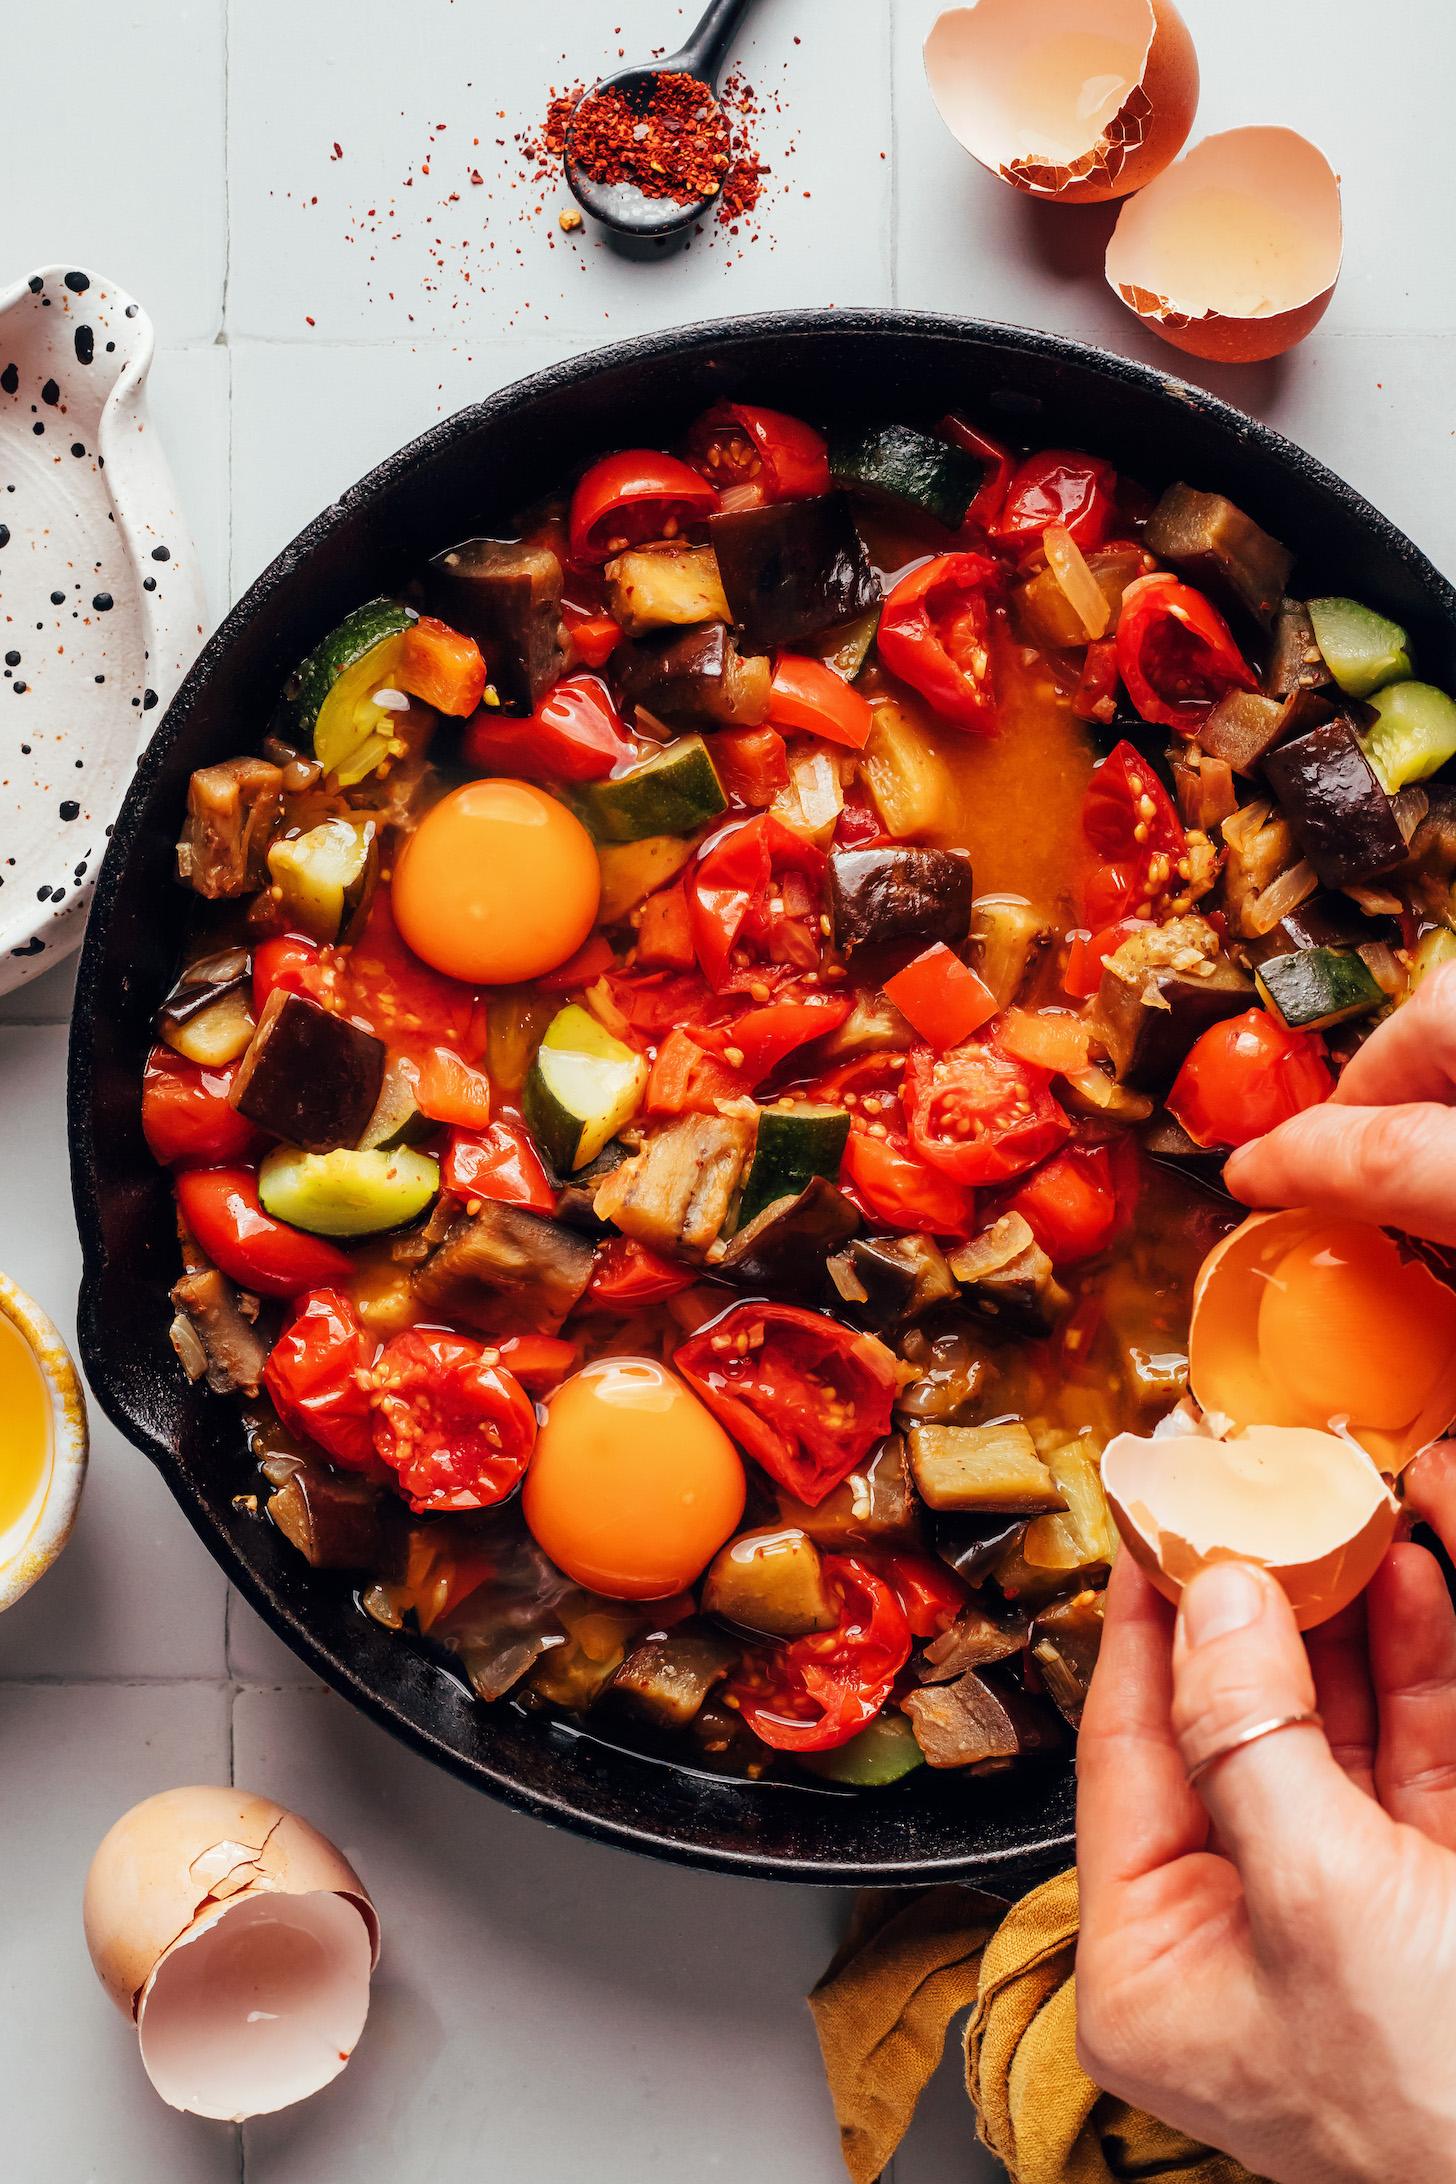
point(1342, 1330)
point(633, 1485)
point(499, 883)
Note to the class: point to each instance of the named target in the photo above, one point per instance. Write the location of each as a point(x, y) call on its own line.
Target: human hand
point(1383, 1147)
point(1269, 1962)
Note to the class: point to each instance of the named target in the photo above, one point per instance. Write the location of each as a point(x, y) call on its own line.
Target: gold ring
point(1252, 1735)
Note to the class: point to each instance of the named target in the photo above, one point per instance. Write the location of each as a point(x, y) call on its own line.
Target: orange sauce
point(25, 1426)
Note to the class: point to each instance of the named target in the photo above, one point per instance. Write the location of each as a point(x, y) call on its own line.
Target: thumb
point(1238, 1662)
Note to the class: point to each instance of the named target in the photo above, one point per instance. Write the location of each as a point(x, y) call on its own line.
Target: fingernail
point(1236, 1162)
point(1226, 1596)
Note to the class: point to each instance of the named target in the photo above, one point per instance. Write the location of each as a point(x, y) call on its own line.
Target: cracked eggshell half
point(239, 1941)
point(1075, 101)
point(1309, 1506)
point(1301, 1320)
point(1233, 253)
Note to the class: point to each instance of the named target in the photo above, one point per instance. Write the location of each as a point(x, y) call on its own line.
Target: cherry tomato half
point(783, 458)
point(820, 1691)
point(1175, 653)
point(1129, 819)
point(1077, 491)
point(935, 634)
point(979, 1115)
point(575, 734)
point(731, 903)
point(185, 1112)
point(318, 1377)
point(499, 1162)
point(1245, 1076)
point(458, 1431)
point(639, 494)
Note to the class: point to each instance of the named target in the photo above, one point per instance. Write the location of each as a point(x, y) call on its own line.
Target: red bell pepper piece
point(730, 901)
point(442, 667)
point(539, 1362)
point(1089, 951)
point(500, 1162)
point(752, 764)
point(594, 956)
point(595, 636)
point(1176, 653)
point(1070, 1203)
point(221, 1207)
point(810, 699)
point(941, 996)
point(626, 499)
point(1000, 465)
point(1095, 697)
point(627, 1275)
point(575, 734)
point(665, 935)
point(935, 634)
point(930, 1594)
point(687, 1079)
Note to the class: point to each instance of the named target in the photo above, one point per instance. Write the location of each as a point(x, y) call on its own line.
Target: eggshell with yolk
point(205, 1904)
point(1076, 101)
point(1233, 253)
point(633, 1485)
point(498, 883)
point(1310, 1507)
point(1299, 1320)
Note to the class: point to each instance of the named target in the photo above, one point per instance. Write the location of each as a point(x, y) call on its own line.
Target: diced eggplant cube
point(335, 1522)
point(685, 677)
point(1295, 659)
point(675, 1194)
point(1168, 1144)
point(771, 1581)
point(1241, 728)
point(982, 1468)
point(1338, 812)
point(1065, 1639)
point(225, 1345)
point(792, 569)
point(1148, 1028)
point(1216, 547)
point(505, 1262)
point(1332, 921)
point(309, 1077)
point(787, 1245)
point(507, 596)
point(974, 1640)
point(907, 893)
point(881, 1281)
point(975, 1723)
point(232, 810)
point(972, 1546)
point(666, 1678)
point(875, 1506)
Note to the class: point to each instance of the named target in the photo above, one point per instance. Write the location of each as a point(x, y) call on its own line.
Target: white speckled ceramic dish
point(101, 601)
point(32, 1542)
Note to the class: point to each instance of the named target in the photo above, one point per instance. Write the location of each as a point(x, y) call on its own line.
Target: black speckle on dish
point(78, 283)
point(36, 284)
point(103, 602)
point(77, 448)
point(37, 426)
point(45, 303)
point(85, 344)
point(149, 583)
point(50, 393)
point(58, 895)
point(42, 894)
point(70, 809)
point(12, 659)
point(80, 874)
point(79, 764)
point(18, 687)
point(32, 947)
point(10, 379)
point(149, 699)
point(109, 347)
point(4, 534)
point(25, 750)
point(58, 598)
point(101, 678)
point(161, 553)
point(132, 309)
point(137, 703)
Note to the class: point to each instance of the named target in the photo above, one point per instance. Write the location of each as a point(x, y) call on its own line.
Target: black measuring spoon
point(621, 206)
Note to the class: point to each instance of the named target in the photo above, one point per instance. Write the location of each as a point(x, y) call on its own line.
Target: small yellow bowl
point(40, 1396)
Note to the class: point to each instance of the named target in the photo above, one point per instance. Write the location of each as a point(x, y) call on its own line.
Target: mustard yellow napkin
point(908, 1965)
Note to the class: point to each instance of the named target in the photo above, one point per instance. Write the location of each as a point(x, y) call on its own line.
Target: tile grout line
point(892, 19)
point(222, 606)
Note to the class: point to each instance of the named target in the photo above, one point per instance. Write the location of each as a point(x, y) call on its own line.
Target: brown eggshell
point(1233, 253)
point(998, 69)
point(1230, 1376)
point(174, 1858)
point(1308, 1507)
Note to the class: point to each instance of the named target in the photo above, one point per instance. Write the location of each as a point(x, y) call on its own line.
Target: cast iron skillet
point(467, 476)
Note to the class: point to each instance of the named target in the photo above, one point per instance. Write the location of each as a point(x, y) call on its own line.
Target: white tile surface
point(546, 2009)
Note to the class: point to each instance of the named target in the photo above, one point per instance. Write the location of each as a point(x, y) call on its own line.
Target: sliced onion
point(1279, 897)
point(1241, 826)
point(1084, 594)
point(1384, 966)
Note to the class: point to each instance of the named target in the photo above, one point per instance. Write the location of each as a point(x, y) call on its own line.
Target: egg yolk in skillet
point(633, 1485)
point(498, 883)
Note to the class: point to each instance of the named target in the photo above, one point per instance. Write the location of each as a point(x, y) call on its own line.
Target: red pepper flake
point(668, 136)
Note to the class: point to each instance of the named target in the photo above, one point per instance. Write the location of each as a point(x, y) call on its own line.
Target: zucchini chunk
point(884, 1751)
point(631, 871)
point(1217, 547)
point(1363, 650)
point(309, 1077)
point(899, 469)
point(345, 1192)
point(771, 1581)
point(875, 1506)
point(1315, 987)
point(507, 596)
point(1413, 733)
point(535, 1267)
point(232, 810)
point(332, 695)
point(906, 893)
point(1338, 812)
point(911, 784)
point(792, 569)
point(847, 648)
point(397, 1118)
point(664, 586)
point(982, 1468)
point(687, 676)
point(788, 1244)
point(675, 1195)
point(666, 1678)
point(794, 1145)
point(1065, 1640)
point(675, 792)
point(326, 877)
point(583, 1085)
